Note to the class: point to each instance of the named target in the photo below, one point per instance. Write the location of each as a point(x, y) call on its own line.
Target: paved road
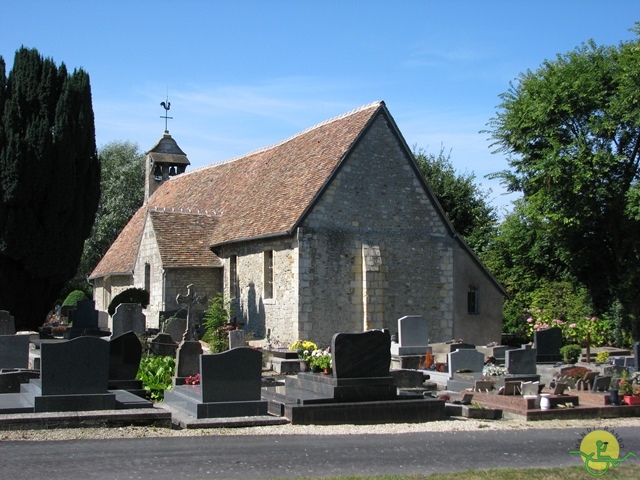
point(290, 456)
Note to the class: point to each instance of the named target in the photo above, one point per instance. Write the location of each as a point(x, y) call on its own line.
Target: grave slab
point(14, 351)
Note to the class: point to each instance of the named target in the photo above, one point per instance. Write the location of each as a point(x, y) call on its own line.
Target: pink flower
point(573, 325)
point(529, 320)
point(594, 319)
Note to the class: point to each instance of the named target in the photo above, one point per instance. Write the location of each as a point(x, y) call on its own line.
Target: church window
point(472, 300)
point(147, 277)
point(233, 276)
point(268, 273)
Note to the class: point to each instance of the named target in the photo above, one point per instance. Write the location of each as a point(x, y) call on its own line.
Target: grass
point(623, 472)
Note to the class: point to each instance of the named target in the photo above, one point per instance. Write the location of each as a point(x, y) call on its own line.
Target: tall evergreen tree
point(49, 182)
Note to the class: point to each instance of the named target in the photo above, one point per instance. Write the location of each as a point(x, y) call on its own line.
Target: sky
point(246, 74)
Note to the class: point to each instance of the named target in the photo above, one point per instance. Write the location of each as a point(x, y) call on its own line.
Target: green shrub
point(130, 295)
point(73, 298)
point(155, 373)
point(602, 357)
point(215, 323)
point(571, 353)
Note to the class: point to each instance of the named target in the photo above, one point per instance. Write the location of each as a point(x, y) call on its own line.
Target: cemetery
point(89, 377)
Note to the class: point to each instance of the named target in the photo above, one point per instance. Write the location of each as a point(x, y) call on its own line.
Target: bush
point(73, 298)
point(571, 353)
point(216, 325)
point(155, 373)
point(130, 295)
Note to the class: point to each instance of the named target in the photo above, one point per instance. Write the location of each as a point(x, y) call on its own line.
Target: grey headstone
point(128, 317)
point(465, 359)
point(619, 361)
point(85, 315)
point(560, 388)
point(548, 343)
point(601, 384)
point(521, 361)
point(14, 351)
point(188, 358)
point(103, 320)
point(629, 362)
point(7, 323)
point(78, 366)
point(125, 352)
point(361, 355)
point(512, 388)
point(237, 339)
point(413, 336)
point(231, 376)
point(636, 355)
point(163, 345)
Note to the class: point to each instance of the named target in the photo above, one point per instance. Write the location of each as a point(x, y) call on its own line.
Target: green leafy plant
point(130, 295)
point(602, 357)
point(321, 359)
point(73, 298)
point(571, 353)
point(155, 373)
point(216, 325)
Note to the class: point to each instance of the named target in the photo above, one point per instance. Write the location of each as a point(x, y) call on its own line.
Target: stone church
point(333, 230)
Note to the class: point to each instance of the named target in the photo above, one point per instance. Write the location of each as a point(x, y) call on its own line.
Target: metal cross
point(167, 106)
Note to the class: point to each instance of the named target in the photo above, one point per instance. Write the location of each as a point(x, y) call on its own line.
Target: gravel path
point(453, 424)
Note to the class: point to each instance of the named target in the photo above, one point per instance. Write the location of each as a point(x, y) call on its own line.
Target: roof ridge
point(188, 211)
point(376, 104)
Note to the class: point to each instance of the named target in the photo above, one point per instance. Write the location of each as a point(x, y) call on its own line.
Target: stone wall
point(105, 288)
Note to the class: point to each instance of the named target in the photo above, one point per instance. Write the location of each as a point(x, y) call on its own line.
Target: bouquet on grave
point(305, 349)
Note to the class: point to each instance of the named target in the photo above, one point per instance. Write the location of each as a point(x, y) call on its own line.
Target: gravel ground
point(453, 424)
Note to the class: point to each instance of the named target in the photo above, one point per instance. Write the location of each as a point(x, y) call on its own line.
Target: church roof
point(264, 193)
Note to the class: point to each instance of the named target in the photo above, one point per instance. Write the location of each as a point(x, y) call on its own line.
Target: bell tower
point(166, 159)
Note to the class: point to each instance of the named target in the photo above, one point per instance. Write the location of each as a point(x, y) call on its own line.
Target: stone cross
point(190, 299)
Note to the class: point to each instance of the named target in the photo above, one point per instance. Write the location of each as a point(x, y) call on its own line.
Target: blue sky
point(242, 75)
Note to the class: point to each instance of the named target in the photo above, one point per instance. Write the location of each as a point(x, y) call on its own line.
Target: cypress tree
point(49, 182)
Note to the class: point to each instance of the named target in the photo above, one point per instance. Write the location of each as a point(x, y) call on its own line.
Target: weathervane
point(167, 106)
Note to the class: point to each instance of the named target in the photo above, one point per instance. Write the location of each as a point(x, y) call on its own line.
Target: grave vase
point(632, 399)
point(545, 403)
point(614, 398)
point(304, 366)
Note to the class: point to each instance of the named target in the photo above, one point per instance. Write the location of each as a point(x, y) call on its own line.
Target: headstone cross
point(190, 299)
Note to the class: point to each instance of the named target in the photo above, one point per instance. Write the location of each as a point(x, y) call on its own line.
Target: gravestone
point(237, 338)
point(483, 386)
point(521, 361)
point(125, 352)
point(530, 388)
point(230, 386)
point(176, 327)
point(162, 345)
point(465, 359)
point(7, 323)
point(128, 317)
point(85, 321)
point(601, 384)
point(14, 351)
point(548, 343)
point(73, 377)
point(189, 349)
point(413, 336)
point(636, 355)
point(361, 355)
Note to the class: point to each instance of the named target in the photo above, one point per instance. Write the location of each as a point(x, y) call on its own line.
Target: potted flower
point(321, 361)
point(304, 348)
point(629, 389)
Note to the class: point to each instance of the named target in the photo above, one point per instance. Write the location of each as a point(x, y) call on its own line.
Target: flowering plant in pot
point(304, 348)
point(321, 360)
point(629, 388)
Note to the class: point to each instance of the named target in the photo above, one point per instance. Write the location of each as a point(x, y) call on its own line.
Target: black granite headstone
point(14, 351)
point(361, 355)
point(234, 375)
point(7, 323)
point(125, 352)
point(78, 366)
point(548, 343)
point(128, 317)
point(636, 355)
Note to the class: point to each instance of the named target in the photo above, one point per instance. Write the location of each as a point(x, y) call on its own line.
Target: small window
point(233, 276)
point(472, 301)
point(147, 277)
point(268, 274)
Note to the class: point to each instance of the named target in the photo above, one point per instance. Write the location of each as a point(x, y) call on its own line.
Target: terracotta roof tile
point(262, 193)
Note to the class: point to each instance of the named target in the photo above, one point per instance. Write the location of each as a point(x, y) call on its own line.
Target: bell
point(157, 173)
point(172, 171)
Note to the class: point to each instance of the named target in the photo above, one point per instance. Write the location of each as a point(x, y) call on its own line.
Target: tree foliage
point(466, 205)
point(49, 182)
point(122, 194)
point(571, 132)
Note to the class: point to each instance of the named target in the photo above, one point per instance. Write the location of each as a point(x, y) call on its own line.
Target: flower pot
point(327, 371)
point(545, 403)
point(304, 366)
point(632, 399)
